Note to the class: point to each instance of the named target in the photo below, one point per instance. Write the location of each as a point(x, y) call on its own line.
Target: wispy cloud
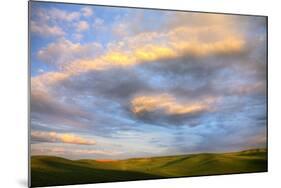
point(60, 138)
point(46, 23)
point(68, 153)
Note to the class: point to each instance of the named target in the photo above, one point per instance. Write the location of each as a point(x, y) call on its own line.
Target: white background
point(14, 95)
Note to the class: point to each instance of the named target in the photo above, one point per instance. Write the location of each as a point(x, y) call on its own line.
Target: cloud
point(77, 36)
point(41, 83)
point(50, 108)
point(58, 14)
point(168, 104)
point(198, 75)
point(99, 152)
point(49, 22)
point(164, 108)
point(122, 84)
point(87, 11)
point(64, 51)
point(178, 51)
point(153, 52)
point(45, 30)
point(82, 26)
point(98, 23)
point(99, 27)
point(60, 138)
point(148, 47)
point(120, 30)
point(148, 53)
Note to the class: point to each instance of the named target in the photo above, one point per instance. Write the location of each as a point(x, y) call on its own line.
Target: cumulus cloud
point(82, 26)
point(48, 78)
point(48, 23)
point(64, 51)
point(45, 30)
point(58, 14)
point(120, 29)
point(87, 11)
point(60, 138)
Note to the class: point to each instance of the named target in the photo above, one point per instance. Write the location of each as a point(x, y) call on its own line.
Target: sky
point(117, 83)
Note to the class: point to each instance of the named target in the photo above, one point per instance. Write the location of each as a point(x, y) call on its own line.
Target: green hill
point(48, 170)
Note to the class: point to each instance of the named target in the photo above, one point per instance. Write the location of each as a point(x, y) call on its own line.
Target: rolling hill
point(49, 170)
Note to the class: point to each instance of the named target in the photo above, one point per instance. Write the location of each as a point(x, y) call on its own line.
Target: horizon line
point(110, 160)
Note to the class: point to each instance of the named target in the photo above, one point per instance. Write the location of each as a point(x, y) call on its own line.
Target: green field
point(49, 170)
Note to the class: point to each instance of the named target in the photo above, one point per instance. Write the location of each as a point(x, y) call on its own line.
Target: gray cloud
point(188, 77)
point(91, 93)
point(51, 110)
point(116, 84)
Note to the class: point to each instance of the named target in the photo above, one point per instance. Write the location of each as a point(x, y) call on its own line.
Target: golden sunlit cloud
point(61, 138)
point(145, 47)
point(119, 59)
point(195, 48)
point(168, 104)
point(154, 52)
point(49, 78)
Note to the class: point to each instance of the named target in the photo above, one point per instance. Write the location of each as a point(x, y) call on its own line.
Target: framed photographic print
point(127, 93)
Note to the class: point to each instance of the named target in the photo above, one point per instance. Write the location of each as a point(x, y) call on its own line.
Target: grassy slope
point(47, 171)
point(57, 171)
